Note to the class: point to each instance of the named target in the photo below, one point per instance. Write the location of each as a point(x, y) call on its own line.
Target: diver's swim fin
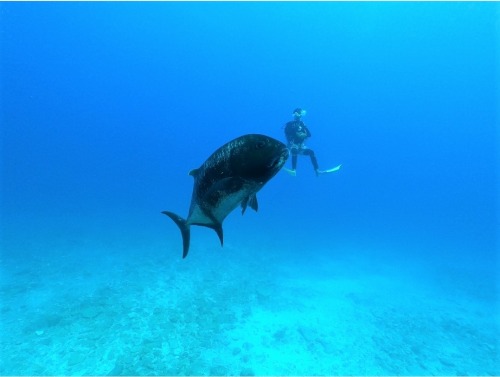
point(336, 168)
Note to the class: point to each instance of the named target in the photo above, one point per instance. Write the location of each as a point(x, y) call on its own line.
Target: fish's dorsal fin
point(194, 172)
point(251, 201)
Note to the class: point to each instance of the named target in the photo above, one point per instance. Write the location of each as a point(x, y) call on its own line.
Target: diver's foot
point(318, 172)
point(292, 172)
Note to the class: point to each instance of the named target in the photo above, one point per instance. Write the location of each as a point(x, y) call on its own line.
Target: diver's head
point(298, 113)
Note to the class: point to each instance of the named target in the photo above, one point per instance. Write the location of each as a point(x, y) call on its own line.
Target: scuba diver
point(296, 133)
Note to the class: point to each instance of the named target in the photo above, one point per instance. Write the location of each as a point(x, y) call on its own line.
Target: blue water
point(388, 266)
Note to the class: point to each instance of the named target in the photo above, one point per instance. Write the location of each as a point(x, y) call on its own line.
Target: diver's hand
point(302, 135)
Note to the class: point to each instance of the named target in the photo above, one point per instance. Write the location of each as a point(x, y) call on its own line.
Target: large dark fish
point(231, 176)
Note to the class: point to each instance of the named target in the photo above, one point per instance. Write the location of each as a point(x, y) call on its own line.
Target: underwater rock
point(117, 370)
point(247, 372)
point(446, 362)
point(327, 346)
point(280, 335)
point(218, 370)
point(307, 333)
point(90, 312)
point(245, 358)
point(76, 358)
point(247, 346)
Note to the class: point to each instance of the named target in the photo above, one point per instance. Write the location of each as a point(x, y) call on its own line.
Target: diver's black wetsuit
point(296, 133)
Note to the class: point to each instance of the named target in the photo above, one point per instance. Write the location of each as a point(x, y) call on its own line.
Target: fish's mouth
point(279, 160)
point(274, 162)
point(285, 153)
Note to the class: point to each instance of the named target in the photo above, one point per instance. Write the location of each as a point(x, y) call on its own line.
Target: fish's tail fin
point(185, 231)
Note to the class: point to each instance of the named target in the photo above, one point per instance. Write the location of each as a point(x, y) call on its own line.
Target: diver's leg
point(314, 161)
point(294, 159)
point(294, 151)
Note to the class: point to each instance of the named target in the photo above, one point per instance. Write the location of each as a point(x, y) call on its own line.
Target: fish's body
point(230, 177)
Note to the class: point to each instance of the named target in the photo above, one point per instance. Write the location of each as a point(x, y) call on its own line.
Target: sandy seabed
point(98, 308)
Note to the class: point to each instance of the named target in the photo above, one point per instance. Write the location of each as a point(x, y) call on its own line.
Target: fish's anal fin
point(215, 226)
point(218, 230)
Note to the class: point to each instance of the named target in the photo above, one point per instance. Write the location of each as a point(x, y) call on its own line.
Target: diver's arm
point(308, 133)
point(290, 131)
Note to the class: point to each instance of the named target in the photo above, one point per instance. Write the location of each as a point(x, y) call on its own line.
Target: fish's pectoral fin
point(185, 231)
point(244, 204)
point(251, 201)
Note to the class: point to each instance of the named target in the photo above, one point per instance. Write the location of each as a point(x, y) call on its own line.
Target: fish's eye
point(260, 145)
